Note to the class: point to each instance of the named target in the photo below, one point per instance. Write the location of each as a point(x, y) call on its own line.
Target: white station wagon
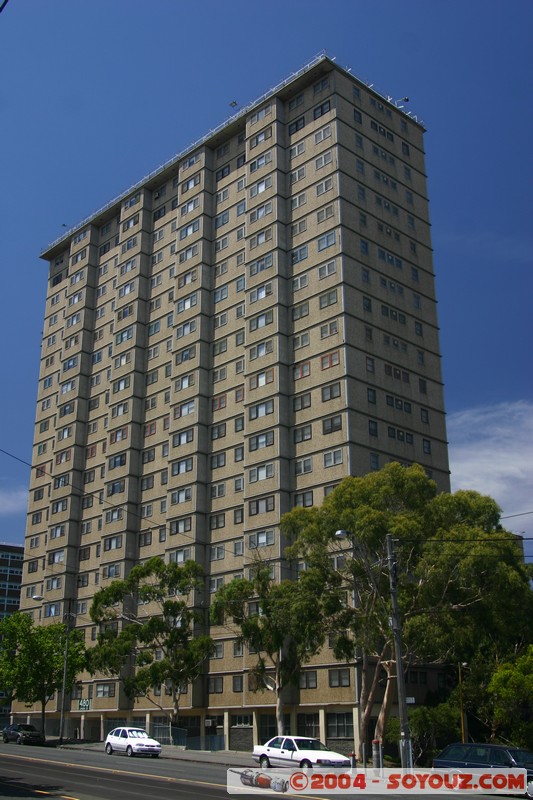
point(132, 741)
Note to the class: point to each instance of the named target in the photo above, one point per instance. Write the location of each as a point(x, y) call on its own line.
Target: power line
point(522, 514)
point(82, 492)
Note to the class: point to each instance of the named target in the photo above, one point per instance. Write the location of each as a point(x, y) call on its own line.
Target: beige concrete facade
point(229, 339)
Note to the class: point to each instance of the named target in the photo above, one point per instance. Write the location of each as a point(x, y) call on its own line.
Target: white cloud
point(490, 451)
point(13, 500)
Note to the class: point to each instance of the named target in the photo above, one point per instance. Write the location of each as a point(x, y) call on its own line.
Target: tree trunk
point(386, 703)
point(367, 699)
point(173, 715)
point(43, 707)
point(279, 712)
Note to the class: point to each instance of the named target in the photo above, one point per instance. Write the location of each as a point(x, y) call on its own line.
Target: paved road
point(87, 773)
point(39, 772)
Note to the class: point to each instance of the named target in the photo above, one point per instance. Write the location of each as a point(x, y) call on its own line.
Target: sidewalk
point(228, 758)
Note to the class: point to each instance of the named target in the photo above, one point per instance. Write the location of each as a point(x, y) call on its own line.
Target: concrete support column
point(322, 724)
point(292, 729)
point(227, 726)
point(255, 723)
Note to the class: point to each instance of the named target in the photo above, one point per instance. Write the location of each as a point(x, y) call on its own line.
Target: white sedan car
point(132, 741)
point(297, 751)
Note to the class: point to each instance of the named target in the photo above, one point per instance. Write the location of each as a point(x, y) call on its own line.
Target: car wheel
point(155, 755)
point(305, 764)
point(20, 740)
point(6, 740)
point(108, 749)
point(264, 762)
point(129, 751)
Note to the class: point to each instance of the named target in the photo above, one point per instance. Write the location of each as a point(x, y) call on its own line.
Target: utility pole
point(396, 626)
point(67, 621)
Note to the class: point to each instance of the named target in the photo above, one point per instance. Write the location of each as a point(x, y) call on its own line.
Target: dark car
point(491, 756)
point(23, 733)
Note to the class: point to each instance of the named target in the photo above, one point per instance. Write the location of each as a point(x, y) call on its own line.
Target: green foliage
point(32, 659)
point(455, 566)
point(431, 727)
point(511, 689)
point(148, 630)
point(283, 622)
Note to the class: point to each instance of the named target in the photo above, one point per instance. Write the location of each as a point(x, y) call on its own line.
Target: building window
point(332, 424)
point(300, 311)
point(261, 472)
point(332, 458)
point(339, 725)
point(339, 677)
point(330, 392)
point(261, 440)
point(180, 556)
point(322, 109)
point(308, 679)
point(302, 370)
point(327, 240)
point(301, 401)
point(105, 690)
point(111, 571)
point(261, 539)
point(330, 360)
point(261, 506)
point(302, 434)
point(215, 684)
point(304, 499)
point(296, 125)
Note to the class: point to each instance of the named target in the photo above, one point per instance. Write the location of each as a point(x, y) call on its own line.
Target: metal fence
point(170, 735)
point(180, 738)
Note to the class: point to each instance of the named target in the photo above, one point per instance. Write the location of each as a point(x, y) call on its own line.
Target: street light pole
point(396, 628)
point(66, 621)
point(405, 740)
point(65, 671)
point(340, 535)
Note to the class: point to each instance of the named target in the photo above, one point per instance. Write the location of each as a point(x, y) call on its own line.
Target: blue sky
point(95, 95)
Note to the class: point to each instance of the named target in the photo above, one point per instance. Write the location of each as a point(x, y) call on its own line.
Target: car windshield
point(28, 728)
point(137, 733)
point(310, 744)
point(521, 756)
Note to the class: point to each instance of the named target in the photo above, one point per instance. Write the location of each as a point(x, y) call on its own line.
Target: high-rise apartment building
point(11, 558)
point(226, 340)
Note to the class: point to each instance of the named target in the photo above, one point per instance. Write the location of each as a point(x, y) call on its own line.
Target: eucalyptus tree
point(150, 633)
point(455, 565)
point(284, 623)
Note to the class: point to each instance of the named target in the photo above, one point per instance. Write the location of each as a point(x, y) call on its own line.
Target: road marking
point(112, 771)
